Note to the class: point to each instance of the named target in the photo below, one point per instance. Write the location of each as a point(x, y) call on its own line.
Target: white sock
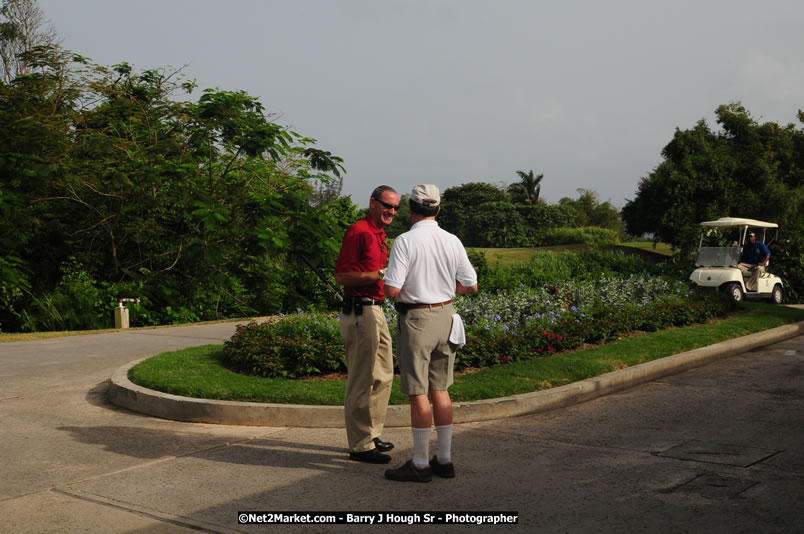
point(444, 443)
point(421, 447)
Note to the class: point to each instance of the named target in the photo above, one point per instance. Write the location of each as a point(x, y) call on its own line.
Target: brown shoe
point(446, 470)
point(409, 473)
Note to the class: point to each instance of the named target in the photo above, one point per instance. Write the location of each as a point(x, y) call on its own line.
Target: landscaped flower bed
point(501, 327)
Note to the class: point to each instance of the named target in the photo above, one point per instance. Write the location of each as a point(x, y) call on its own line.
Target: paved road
point(714, 449)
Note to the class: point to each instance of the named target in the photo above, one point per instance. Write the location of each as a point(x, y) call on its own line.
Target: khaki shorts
point(426, 357)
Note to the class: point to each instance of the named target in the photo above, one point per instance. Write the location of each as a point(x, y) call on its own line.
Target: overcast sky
point(454, 91)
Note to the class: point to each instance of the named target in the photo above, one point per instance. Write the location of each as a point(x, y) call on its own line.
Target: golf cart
point(719, 251)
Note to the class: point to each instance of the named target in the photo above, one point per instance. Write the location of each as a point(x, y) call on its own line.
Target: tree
point(746, 169)
point(208, 199)
point(36, 111)
point(458, 204)
point(325, 190)
point(497, 224)
point(542, 217)
point(203, 208)
point(527, 190)
point(21, 30)
point(589, 211)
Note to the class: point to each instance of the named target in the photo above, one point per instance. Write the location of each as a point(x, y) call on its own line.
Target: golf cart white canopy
point(731, 222)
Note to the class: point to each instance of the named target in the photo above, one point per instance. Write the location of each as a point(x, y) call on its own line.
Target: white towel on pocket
point(457, 335)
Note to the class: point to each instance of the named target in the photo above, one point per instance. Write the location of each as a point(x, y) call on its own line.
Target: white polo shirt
point(425, 262)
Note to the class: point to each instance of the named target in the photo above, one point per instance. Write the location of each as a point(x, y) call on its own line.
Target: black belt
point(355, 304)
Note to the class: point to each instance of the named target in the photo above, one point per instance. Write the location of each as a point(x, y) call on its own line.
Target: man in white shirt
point(426, 269)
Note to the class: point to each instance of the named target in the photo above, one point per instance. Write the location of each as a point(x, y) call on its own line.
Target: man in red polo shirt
point(369, 358)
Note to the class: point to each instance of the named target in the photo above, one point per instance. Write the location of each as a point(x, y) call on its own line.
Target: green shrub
point(590, 235)
point(554, 268)
point(787, 261)
point(497, 224)
point(542, 216)
point(293, 346)
point(76, 304)
point(479, 261)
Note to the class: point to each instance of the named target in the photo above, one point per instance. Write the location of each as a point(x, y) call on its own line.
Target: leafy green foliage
point(292, 346)
point(587, 210)
point(542, 217)
point(593, 235)
point(203, 208)
point(482, 215)
point(551, 268)
point(497, 224)
point(787, 261)
point(479, 261)
point(459, 204)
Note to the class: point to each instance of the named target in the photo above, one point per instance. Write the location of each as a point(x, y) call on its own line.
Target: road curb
point(126, 394)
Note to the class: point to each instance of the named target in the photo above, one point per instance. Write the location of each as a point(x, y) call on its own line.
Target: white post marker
point(121, 313)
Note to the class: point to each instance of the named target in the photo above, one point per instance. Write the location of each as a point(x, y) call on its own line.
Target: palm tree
point(527, 189)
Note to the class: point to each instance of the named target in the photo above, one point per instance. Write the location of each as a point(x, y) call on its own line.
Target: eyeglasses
point(387, 205)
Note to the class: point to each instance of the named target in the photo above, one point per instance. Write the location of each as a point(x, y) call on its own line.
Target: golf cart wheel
point(777, 294)
point(735, 291)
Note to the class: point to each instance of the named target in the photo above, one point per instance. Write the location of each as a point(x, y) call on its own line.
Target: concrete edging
point(126, 394)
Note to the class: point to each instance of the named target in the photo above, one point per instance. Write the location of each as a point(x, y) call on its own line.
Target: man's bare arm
point(461, 289)
point(357, 278)
point(391, 292)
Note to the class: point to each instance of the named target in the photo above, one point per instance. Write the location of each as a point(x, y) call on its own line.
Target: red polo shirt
point(363, 250)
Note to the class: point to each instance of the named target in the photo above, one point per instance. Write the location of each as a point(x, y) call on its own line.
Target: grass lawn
point(660, 248)
point(510, 256)
point(197, 372)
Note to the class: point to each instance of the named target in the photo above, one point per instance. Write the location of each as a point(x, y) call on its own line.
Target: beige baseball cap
point(426, 194)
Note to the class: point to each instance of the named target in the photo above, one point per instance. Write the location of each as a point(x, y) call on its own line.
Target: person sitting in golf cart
point(755, 257)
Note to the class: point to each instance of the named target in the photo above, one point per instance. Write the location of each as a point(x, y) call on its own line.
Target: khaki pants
point(370, 361)
point(756, 270)
point(426, 357)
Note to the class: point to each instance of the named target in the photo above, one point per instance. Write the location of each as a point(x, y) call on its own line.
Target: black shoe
point(446, 470)
point(383, 446)
point(370, 457)
point(410, 473)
